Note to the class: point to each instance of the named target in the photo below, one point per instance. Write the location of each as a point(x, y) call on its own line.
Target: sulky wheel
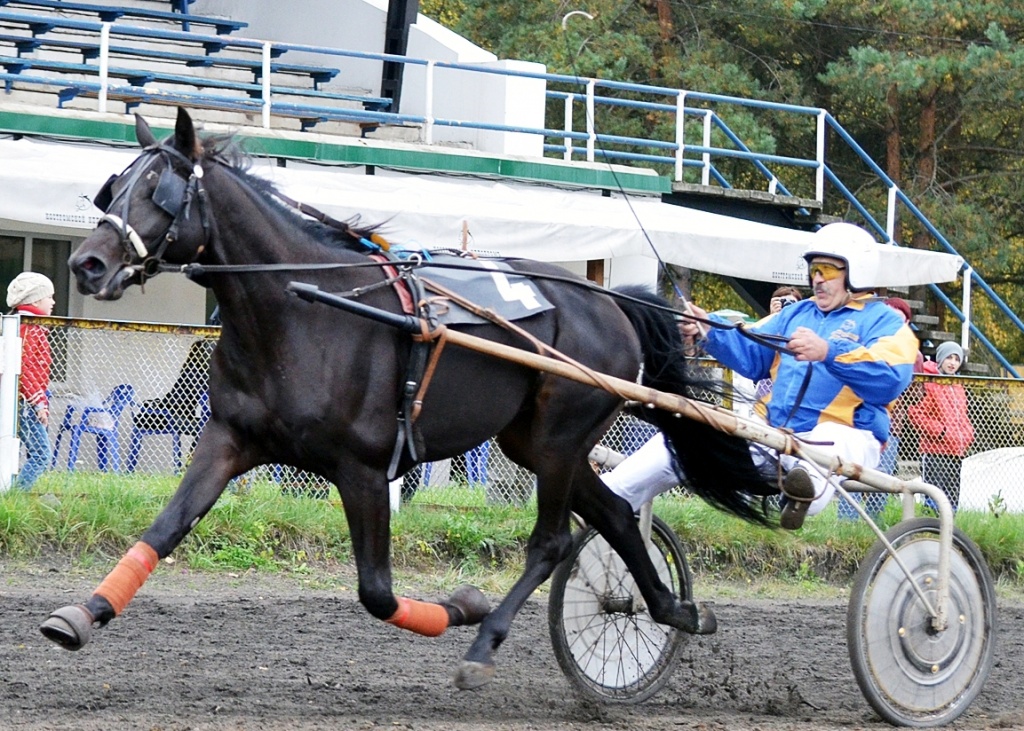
point(604, 640)
point(909, 673)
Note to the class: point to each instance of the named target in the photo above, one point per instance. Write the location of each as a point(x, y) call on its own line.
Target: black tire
point(611, 650)
point(910, 674)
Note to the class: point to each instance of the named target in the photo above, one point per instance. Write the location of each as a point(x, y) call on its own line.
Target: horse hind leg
point(466, 606)
point(613, 518)
point(365, 498)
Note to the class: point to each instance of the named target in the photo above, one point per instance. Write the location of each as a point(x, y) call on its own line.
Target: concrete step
point(936, 336)
point(976, 369)
point(925, 319)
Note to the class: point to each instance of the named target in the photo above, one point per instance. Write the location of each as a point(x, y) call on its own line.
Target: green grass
point(445, 537)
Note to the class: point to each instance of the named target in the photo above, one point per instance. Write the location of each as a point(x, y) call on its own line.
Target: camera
point(788, 300)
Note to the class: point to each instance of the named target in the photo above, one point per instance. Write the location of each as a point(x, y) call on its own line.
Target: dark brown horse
point(302, 384)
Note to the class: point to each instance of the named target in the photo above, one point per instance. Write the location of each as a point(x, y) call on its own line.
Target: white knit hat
point(28, 287)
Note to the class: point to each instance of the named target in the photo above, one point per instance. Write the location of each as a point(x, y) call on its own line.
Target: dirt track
point(266, 653)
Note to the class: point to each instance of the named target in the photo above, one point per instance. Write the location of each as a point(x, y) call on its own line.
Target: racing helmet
point(853, 245)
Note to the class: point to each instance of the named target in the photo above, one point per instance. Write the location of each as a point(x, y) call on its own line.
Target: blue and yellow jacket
point(869, 364)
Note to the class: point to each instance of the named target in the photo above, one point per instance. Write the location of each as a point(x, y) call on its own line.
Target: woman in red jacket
point(32, 294)
point(942, 421)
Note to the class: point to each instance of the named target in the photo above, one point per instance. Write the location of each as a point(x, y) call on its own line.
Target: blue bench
point(308, 115)
point(110, 13)
point(91, 50)
point(68, 89)
point(141, 77)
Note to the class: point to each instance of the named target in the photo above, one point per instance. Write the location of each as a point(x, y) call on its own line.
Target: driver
point(847, 357)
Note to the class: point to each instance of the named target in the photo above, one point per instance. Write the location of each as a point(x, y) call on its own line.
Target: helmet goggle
point(826, 270)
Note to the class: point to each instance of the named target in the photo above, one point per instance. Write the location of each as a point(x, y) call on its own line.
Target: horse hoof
point(695, 619)
point(470, 603)
point(70, 627)
point(707, 623)
point(473, 675)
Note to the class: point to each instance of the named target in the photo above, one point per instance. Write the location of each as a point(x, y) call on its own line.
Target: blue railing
point(578, 136)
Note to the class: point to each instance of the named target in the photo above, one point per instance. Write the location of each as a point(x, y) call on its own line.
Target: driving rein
point(175, 194)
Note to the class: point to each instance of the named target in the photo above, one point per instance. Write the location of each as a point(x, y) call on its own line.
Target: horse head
point(153, 214)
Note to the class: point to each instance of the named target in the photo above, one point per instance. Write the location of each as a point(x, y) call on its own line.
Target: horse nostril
point(90, 264)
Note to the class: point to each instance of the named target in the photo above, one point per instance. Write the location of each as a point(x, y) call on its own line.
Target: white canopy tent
point(48, 187)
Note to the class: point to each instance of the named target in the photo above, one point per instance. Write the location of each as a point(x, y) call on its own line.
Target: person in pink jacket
point(941, 418)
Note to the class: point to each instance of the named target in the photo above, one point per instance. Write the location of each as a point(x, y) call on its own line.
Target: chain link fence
point(132, 398)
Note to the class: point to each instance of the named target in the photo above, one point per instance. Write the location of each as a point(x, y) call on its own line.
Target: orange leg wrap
point(423, 618)
point(128, 576)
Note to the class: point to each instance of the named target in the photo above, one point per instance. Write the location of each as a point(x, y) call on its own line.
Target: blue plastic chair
point(476, 465)
point(165, 422)
point(103, 422)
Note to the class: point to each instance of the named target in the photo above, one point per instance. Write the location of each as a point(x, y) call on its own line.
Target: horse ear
point(185, 136)
point(143, 133)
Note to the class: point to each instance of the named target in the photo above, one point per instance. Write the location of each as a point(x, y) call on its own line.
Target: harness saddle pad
point(490, 284)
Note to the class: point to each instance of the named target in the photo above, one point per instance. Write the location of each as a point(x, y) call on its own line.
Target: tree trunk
point(925, 176)
point(926, 143)
point(893, 137)
point(665, 19)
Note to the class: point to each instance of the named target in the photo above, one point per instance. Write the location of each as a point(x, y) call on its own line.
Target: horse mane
point(224, 148)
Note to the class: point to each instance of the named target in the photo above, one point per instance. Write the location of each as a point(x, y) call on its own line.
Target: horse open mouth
point(122, 279)
point(91, 275)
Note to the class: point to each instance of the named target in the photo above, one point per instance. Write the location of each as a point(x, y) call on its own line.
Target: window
point(46, 256)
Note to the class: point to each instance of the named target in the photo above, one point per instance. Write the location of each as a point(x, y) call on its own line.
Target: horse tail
point(717, 465)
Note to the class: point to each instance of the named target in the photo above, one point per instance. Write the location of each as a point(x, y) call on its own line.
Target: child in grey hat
point(31, 293)
point(942, 421)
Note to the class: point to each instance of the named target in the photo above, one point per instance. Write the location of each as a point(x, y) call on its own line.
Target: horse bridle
point(173, 195)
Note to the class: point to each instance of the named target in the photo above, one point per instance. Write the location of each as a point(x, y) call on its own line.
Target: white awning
point(48, 187)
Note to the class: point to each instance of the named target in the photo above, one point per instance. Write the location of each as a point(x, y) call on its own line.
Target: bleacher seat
point(141, 77)
point(154, 80)
point(91, 50)
point(111, 13)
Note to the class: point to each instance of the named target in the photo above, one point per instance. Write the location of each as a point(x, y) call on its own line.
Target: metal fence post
point(10, 369)
point(267, 57)
point(104, 75)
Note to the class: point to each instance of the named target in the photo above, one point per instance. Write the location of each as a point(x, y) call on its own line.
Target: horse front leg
point(364, 494)
point(613, 518)
point(216, 460)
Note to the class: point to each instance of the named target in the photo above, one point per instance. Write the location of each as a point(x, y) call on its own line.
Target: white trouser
point(648, 472)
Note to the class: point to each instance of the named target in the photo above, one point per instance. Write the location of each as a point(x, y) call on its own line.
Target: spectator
point(945, 428)
point(32, 294)
point(783, 297)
